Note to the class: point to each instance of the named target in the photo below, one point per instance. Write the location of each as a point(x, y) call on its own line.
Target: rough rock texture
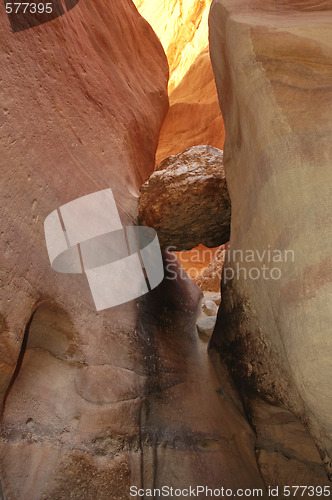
point(95, 402)
point(182, 27)
point(211, 276)
point(186, 200)
point(285, 451)
point(272, 63)
point(194, 115)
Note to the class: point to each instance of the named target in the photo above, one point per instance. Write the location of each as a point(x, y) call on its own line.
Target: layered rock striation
point(272, 63)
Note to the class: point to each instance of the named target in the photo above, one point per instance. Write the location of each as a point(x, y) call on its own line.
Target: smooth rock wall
point(272, 65)
point(82, 106)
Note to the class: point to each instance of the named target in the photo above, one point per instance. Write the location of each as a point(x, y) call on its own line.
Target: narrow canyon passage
point(280, 455)
point(140, 396)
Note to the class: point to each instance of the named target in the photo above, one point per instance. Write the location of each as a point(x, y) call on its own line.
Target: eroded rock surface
point(272, 63)
point(285, 451)
point(186, 200)
point(210, 278)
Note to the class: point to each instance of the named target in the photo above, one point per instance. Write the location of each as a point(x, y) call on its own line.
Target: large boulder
point(272, 63)
point(186, 200)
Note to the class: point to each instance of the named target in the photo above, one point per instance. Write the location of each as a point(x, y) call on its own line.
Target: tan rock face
point(186, 200)
point(272, 63)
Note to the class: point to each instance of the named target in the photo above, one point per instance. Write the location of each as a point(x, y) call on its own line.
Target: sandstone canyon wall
point(182, 27)
point(194, 116)
point(272, 64)
point(81, 112)
point(92, 403)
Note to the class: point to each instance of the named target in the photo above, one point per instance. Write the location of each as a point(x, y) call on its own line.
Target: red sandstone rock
point(83, 103)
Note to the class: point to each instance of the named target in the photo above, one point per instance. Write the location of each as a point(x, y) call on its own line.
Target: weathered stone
point(96, 402)
point(211, 276)
point(78, 105)
point(285, 451)
point(210, 308)
point(186, 200)
point(205, 324)
point(272, 63)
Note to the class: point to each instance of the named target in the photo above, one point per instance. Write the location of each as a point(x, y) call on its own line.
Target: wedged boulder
point(273, 69)
point(186, 200)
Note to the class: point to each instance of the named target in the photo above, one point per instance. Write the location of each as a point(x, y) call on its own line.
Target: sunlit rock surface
point(186, 200)
point(272, 62)
point(182, 27)
point(194, 116)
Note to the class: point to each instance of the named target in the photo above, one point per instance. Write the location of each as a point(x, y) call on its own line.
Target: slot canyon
point(211, 122)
